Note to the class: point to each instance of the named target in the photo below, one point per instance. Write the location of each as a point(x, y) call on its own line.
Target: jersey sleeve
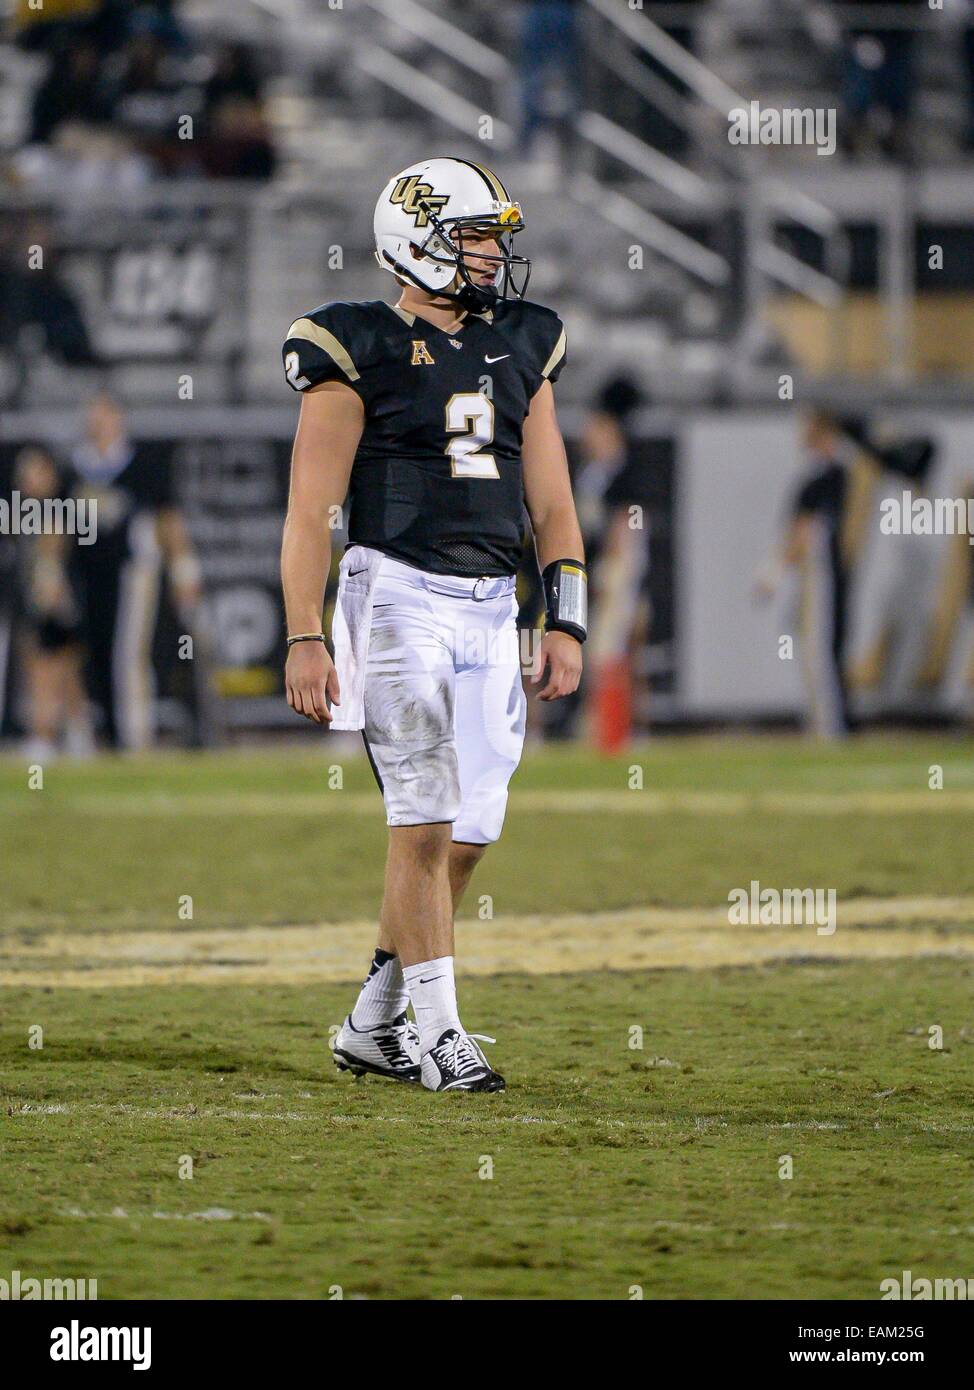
point(820, 493)
point(555, 360)
point(540, 335)
point(327, 344)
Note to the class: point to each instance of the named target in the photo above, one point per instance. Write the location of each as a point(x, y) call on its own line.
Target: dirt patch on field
point(635, 939)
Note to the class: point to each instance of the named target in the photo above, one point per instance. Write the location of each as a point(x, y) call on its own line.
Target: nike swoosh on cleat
point(497, 359)
point(353, 573)
point(431, 979)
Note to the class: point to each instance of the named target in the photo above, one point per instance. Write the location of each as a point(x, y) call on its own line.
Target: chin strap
point(469, 297)
point(473, 299)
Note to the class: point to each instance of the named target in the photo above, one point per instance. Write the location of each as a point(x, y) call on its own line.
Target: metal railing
point(597, 132)
point(715, 94)
point(431, 95)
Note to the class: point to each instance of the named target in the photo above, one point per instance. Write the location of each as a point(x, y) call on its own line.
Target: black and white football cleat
point(392, 1049)
point(456, 1063)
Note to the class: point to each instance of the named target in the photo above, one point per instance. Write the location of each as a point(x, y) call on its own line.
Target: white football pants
point(444, 705)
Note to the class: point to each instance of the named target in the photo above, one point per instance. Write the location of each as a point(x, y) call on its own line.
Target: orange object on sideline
point(613, 706)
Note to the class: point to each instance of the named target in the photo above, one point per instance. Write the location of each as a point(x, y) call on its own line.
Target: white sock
point(433, 992)
point(383, 996)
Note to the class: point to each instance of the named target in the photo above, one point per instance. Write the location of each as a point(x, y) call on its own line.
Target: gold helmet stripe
point(501, 192)
point(497, 189)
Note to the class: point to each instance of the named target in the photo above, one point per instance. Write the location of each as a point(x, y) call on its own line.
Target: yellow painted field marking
point(634, 939)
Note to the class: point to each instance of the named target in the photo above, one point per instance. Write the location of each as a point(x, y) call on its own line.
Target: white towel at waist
point(357, 574)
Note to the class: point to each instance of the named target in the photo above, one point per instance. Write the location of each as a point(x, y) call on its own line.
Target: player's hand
point(311, 681)
point(187, 597)
point(765, 584)
point(563, 657)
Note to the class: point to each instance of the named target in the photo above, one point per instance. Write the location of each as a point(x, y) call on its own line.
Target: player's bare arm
point(548, 496)
point(181, 560)
point(792, 553)
point(329, 429)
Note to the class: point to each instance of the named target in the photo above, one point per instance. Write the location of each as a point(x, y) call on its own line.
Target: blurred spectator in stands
point(233, 138)
point(878, 82)
point(237, 144)
point(122, 78)
point(550, 68)
point(146, 91)
point(234, 74)
point(116, 579)
point(44, 28)
point(236, 137)
point(38, 312)
point(964, 14)
point(71, 91)
point(118, 20)
point(47, 632)
point(81, 159)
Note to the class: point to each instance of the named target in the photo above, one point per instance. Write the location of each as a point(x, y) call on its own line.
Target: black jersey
point(823, 494)
point(437, 479)
point(129, 485)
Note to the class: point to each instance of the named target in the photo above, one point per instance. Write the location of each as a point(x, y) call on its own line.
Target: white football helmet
point(421, 205)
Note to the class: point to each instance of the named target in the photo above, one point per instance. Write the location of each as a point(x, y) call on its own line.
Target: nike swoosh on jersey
point(497, 359)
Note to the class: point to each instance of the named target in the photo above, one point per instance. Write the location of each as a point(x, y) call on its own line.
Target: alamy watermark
point(782, 907)
point(915, 1290)
point(49, 516)
point(908, 515)
point(17, 1288)
point(755, 124)
point(77, 1343)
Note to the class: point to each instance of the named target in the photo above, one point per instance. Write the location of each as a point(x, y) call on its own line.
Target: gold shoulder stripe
point(314, 333)
point(556, 356)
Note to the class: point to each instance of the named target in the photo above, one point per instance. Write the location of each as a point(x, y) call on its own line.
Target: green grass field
point(604, 1166)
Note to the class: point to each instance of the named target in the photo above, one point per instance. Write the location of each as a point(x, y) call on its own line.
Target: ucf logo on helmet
point(417, 198)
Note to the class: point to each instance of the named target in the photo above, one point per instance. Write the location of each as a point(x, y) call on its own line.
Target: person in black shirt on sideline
point(116, 579)
point(813, 545)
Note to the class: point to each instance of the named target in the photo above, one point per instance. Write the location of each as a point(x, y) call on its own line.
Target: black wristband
point(306, 637)
point(566, 597)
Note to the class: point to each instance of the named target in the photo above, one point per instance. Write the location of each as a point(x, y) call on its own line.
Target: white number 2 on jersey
point(473, 414)
point(291, 364)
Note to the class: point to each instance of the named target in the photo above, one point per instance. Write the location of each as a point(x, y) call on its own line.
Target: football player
point(436, 416)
